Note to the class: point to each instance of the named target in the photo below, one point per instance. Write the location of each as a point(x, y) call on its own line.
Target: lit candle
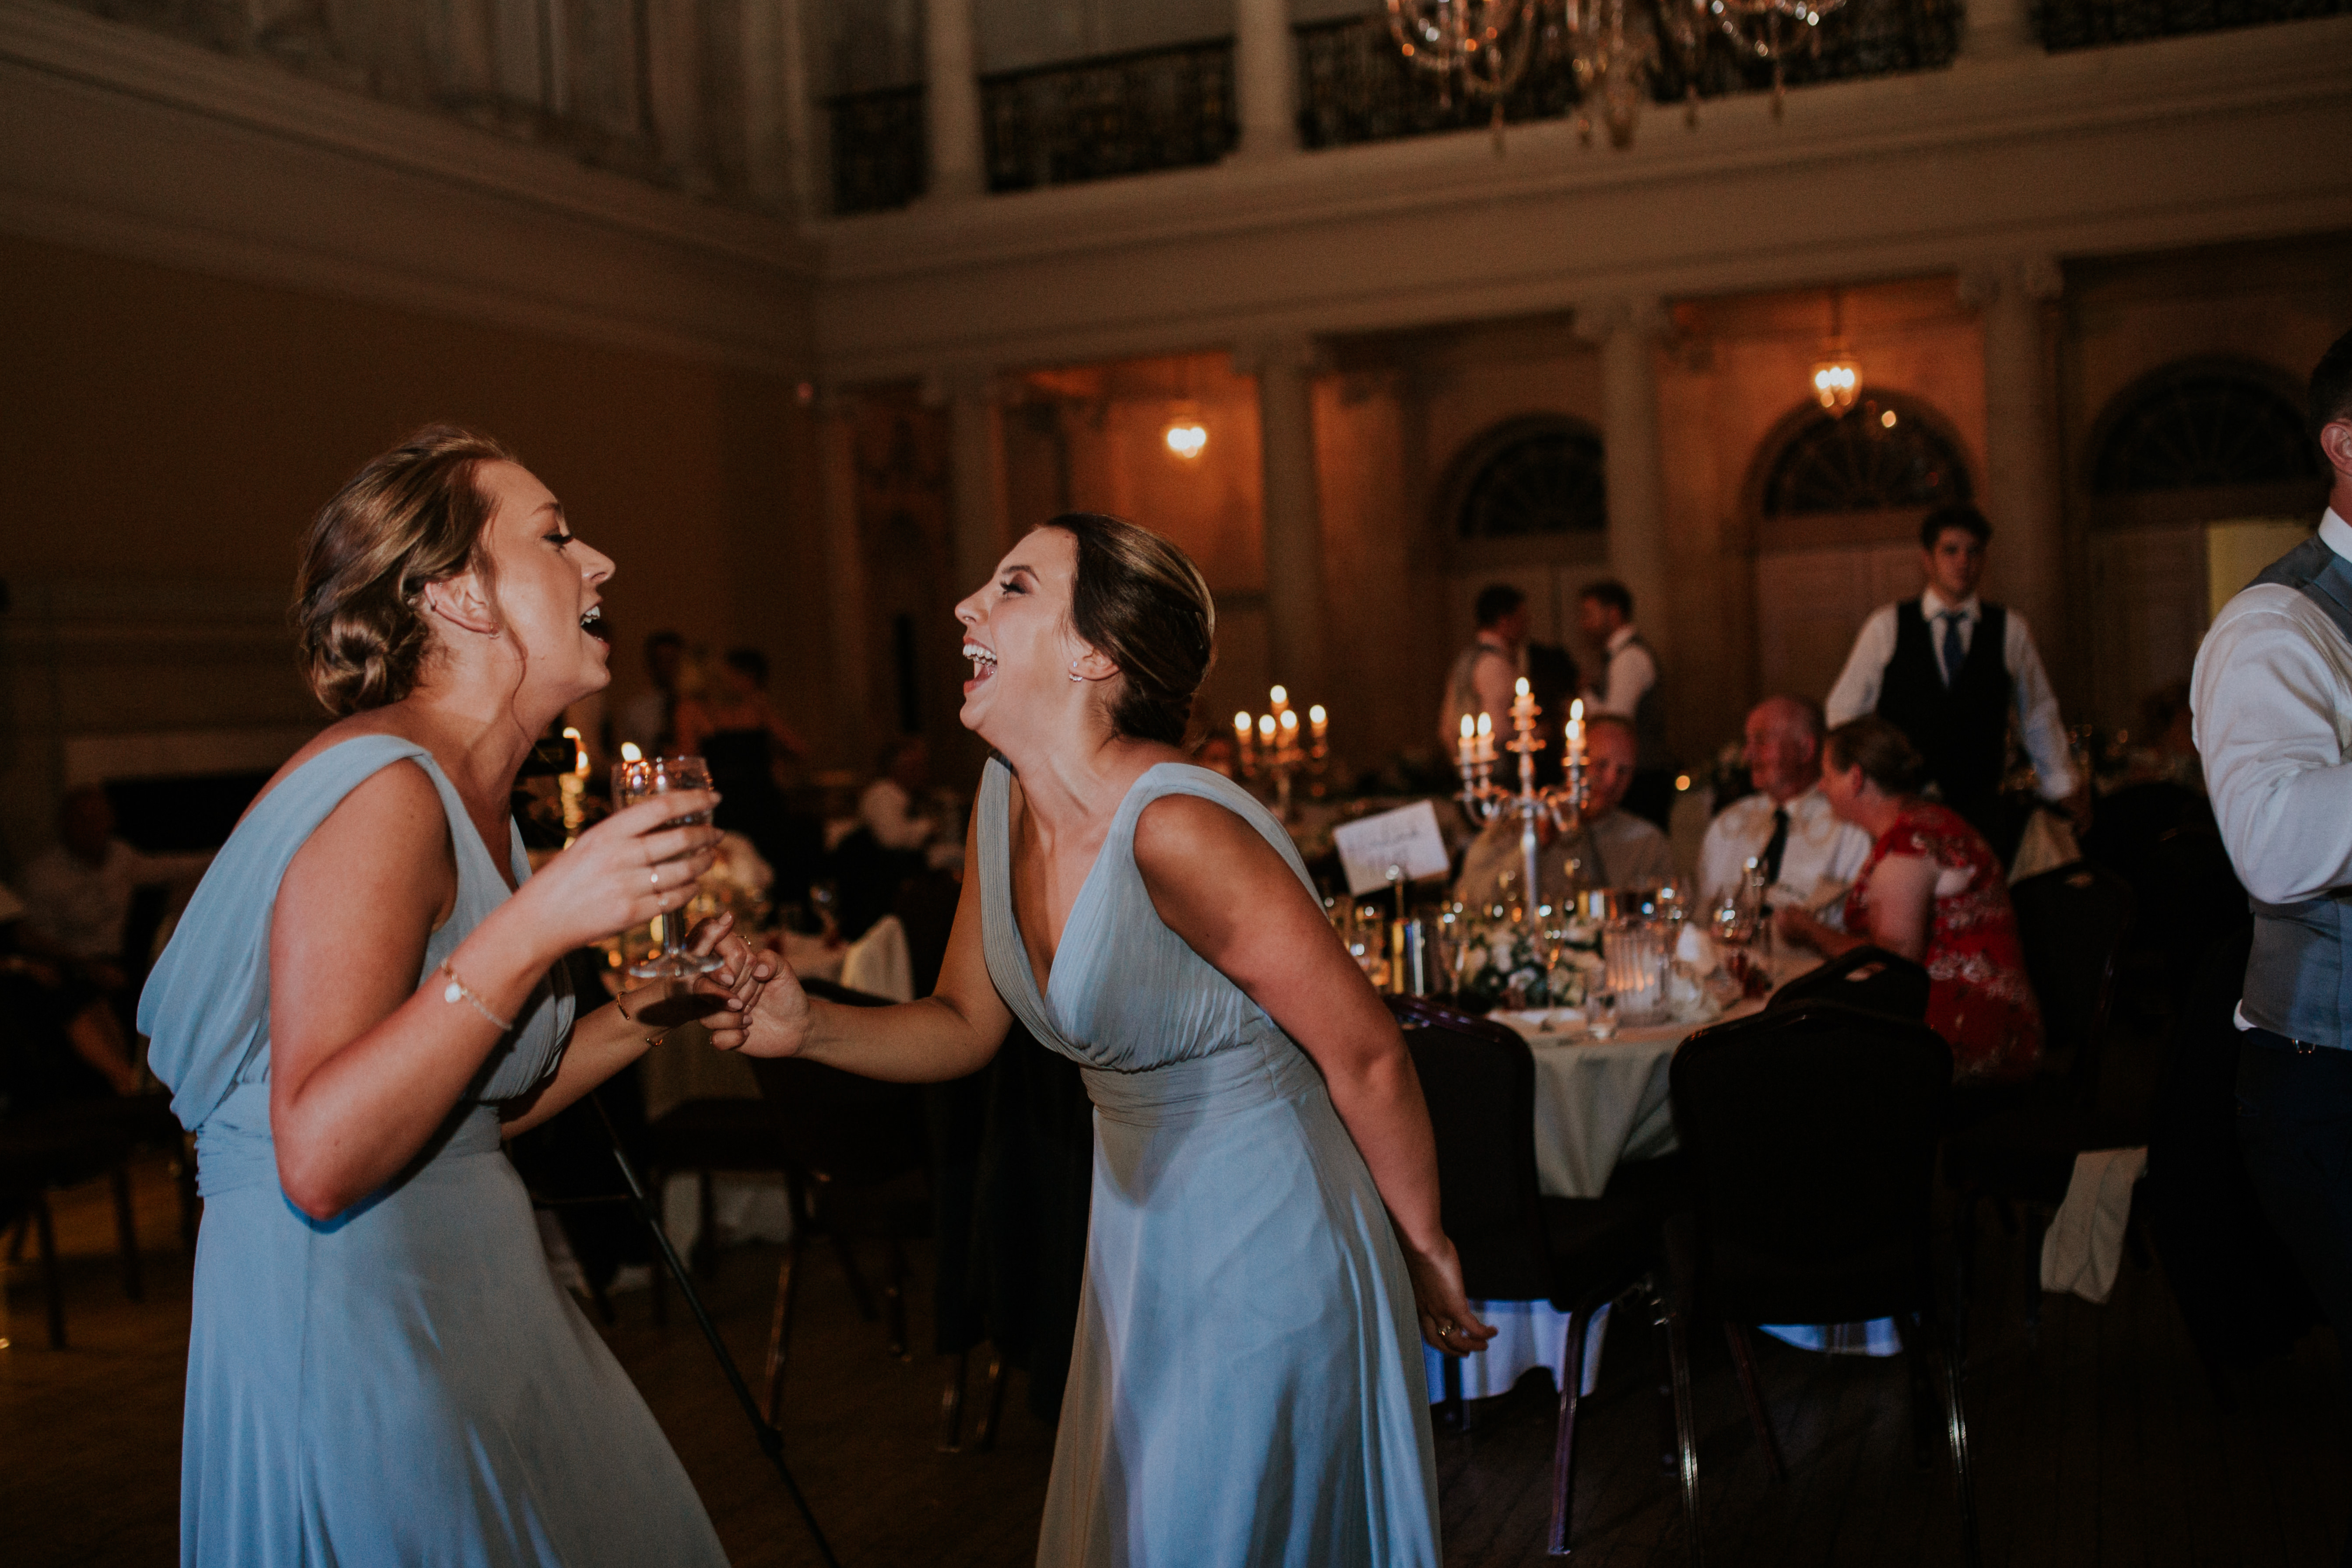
point(629, 753)
point(1289, 725)
point(1242, 731)
point(1523, 705)
point(579, 752)
point(1279, 698)
point(1486, 737)
point(1465, 749)
point(1266, 729)
point(1576, 731)
point(1319, 721)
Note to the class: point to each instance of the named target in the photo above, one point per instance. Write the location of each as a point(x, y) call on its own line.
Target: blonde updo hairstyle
point(411, 517)
point(1141, 603)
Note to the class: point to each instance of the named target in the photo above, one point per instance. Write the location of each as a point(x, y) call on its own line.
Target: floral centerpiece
point(1500, 962)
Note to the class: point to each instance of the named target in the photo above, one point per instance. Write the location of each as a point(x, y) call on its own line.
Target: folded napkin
point(2084, 1242)
point(878, 965)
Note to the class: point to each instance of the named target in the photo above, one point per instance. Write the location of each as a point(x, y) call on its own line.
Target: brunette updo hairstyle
point(412, 516)
point(1884, 753)
point(1141, 603)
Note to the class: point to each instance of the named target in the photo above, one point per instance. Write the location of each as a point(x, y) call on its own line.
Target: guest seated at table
point(1808, 854)
point(896, 810)
point(78, 893)
point(1617, 849)
point(1932, 890)
point(64, 1041)
point(737, 731)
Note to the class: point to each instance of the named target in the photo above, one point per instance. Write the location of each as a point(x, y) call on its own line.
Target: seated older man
point(1617, 849)
point(1809, 856)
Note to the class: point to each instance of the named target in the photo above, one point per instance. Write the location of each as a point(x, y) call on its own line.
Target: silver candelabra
point(1482, 800)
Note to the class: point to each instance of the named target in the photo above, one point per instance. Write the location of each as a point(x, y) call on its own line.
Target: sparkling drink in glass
point(646, 779)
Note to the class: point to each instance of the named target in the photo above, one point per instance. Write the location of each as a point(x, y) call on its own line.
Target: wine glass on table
point(648, 778)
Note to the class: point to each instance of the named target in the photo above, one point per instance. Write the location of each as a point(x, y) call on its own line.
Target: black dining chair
point(1869, 978)
point(1515, 1244)
point(1809, 1138)
point(2019, 1150)
point(849, 1146)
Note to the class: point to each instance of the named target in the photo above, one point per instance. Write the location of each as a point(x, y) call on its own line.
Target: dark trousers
point(2295, 1124)
point(1651, 795)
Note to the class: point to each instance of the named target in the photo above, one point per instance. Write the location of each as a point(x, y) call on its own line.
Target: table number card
point(1406, 837)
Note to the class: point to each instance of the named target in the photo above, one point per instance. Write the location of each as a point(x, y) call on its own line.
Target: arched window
point(1534, 478)
point(1887, 454)
point(2203, 424)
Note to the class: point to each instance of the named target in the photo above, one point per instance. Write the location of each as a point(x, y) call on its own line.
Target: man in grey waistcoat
point(2273, 703)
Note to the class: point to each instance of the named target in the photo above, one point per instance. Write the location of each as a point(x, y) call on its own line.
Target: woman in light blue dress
point(362, 998)
point(1246, 1385)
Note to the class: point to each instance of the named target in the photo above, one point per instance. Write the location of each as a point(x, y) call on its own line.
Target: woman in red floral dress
point(1932, 890)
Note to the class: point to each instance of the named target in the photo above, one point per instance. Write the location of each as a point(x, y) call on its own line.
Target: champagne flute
point(644, 780)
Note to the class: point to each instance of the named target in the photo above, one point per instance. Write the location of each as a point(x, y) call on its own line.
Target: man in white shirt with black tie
point(2273, 701)
point(1809, 856)
point(1948, 669)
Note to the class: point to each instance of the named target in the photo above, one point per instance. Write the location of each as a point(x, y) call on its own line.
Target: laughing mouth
point(984, 663)
point(591, 621)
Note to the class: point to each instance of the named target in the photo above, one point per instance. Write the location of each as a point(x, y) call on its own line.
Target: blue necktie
point(1953, 652)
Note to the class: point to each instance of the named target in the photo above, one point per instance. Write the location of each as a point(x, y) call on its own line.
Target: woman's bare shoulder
point(1185, 836)
point(375, 721)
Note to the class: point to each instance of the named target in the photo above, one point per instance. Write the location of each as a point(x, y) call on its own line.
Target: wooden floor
point(2100, 1447)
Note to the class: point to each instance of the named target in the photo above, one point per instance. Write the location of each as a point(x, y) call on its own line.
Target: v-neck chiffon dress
point(1246, 1384)
point(405, 1384)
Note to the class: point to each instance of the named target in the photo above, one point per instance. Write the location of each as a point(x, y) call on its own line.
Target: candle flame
point(1522, 687)
point(629, 753)
point(1242, 723)
point(1280, 696)
point(1485, 724)
point(1469, 726)
point(1289, 720)
point(1576, 709)
point(1265, 725)
point(1315, 715)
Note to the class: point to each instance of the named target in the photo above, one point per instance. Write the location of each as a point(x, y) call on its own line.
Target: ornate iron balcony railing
point(2087, 24)
point(1117, 114)
point(1354, 86)
point(880, 157)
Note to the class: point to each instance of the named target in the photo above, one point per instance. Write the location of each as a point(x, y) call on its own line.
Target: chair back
point(837, 1126)
point(2071, 921)
point(1479, 1081)
point(1869, 978)
point(1810, 1136)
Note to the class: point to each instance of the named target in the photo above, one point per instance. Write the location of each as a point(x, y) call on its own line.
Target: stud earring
point(1074, 672)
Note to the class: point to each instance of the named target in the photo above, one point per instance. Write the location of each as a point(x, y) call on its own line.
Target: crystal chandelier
point(1477, 47)
point(1482, 47)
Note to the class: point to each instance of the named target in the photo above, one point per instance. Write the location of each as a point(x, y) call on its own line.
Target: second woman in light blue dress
point(1246, 1384)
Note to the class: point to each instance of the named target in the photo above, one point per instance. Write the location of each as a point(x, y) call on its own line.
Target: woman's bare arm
point(954, 1031)
point(1237, 903)
point(1902, 913)
point(366, 1063)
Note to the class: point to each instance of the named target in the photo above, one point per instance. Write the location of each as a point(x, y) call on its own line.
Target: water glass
point(1600, 1014)
point(1634, 953)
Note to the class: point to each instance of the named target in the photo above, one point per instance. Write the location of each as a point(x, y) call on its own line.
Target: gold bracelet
point(651, 1040)
point(458, 991)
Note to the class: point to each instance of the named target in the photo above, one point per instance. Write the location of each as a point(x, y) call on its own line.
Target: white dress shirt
point(83, 909)
point(1856, 692)
point(1822, 857)
point(1629, 852)
point(889, 812)
point(2271, 704)
point(1627, 679)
